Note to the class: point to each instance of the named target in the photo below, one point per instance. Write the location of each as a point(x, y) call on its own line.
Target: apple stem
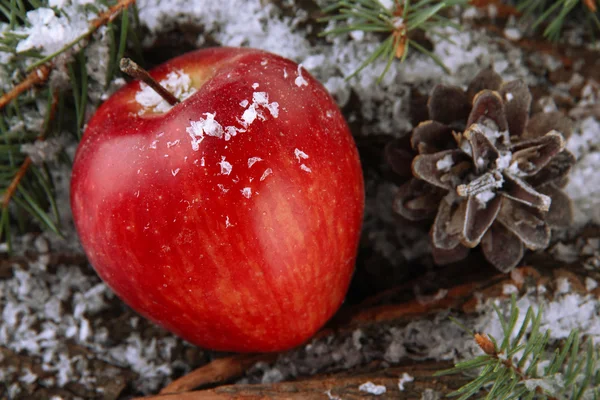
point(135, 71)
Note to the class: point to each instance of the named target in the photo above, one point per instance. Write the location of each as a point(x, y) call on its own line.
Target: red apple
point(232, 219)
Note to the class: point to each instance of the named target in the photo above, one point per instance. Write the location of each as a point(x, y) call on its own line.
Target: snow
point(484, 197)
point(253, 160)
point(405, 379)
point(300, 155)
point(247, 192)
point(267, 172)
point(504, 160)
point(445, 163)
point(584, 188)
point(176, 82)
point(300, 81)
point(305, 168)
point(513, 33)
point(49, 32)
point(42, 151)
point(262, 99)
point(371, 388)
point(204, 126)
point(225, 166)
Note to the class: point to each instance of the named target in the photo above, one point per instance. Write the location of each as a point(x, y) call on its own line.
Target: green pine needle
point(554, 13)
point(405, 17)
point(570, 372)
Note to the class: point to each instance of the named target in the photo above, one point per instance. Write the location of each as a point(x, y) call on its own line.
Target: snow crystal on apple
point(255, 85)
point(172, 144)
point(175, 171)
point(305, 168)
point(262, 99)
point(300, 155)
point(267, 172)
point(204, 126)
point(176, 82)
point(222, 187)
point(246, 192)
point(300, 81)
point(227, 223)
point(253, 160)
point(225, 166)
point(244, 103)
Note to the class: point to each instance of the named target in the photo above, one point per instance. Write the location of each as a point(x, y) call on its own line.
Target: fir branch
point(521, 365)
point(399, 21)
point(102, 19)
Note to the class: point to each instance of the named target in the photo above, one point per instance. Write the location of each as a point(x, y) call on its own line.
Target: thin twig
point(36, 77)
point(219, 370)
point(110, 14)
point(344, 385)
point(14, 184)
point(135, 71)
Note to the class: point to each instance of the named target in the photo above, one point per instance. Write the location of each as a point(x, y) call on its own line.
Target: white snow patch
point(255, 85)
point(404, 379)
point(590, 284)
point(227, 223)
point(300, 81)
point(176, 82)
point(508, 289)
point(305, 168)
point(262, 99)
point(503, 161)
point(267, 172)
point(225, 166)
point(175, 171)
point(371, 388)
point(300, 155)
point(244, 103)
point(445, 163)
point(485, 196)
point(253, 160)
point(584, 188)
point(513, 34)
point(247, 192)
point(204, 126)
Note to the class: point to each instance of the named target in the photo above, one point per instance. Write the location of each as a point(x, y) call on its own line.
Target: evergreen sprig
point(554, 13)
point(521, 366)
point(32, 111)
point(398, 22)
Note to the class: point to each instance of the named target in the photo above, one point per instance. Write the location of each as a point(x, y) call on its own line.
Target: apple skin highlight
point(246, 244)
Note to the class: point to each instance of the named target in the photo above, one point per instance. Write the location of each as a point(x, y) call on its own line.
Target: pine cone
point(486, 172)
